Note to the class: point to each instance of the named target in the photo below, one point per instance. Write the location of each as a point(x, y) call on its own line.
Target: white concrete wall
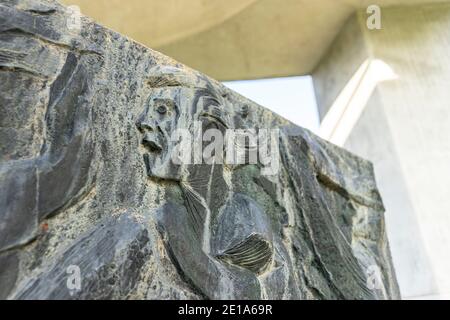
point(404, 128)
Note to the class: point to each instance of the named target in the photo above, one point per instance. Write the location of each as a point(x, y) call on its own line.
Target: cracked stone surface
point(87, 182)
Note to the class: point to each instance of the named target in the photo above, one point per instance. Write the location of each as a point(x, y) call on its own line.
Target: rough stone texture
point(86, 181)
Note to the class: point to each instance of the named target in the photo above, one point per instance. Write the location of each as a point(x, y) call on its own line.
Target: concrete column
point(385, 95)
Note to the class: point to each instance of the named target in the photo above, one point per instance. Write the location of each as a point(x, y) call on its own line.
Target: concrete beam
point(234, 39)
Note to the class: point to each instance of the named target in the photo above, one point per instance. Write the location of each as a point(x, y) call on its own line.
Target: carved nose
point(147, 126)
point(151, 142)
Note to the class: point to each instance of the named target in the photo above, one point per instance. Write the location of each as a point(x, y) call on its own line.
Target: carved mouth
point(151, 143)
point(152, 146)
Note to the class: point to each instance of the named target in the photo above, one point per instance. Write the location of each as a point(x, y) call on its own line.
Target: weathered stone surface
point(87, 181)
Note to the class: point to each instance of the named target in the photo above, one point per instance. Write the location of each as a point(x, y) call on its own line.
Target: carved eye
point(162, 109)
point(244, 111)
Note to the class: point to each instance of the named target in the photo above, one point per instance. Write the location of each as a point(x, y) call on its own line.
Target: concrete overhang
point(234, 39)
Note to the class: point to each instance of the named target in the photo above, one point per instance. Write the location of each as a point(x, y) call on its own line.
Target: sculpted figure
point(221, 239)
point(45, 92)
point(140, 175)
point(220, 229)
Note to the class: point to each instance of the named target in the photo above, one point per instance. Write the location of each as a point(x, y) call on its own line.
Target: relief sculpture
point(154, 181)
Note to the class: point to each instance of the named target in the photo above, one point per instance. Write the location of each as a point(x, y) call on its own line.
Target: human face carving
point(156, 125)
point(165, 113)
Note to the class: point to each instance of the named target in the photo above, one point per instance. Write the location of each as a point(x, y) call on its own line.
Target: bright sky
point(293, 98)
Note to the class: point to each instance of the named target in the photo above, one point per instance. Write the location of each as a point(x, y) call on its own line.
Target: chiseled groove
point(254, 254)
point(194, 214)
point(10, 60)
point(162, 82)
point(42, 12)
point(17, 31)
point(333, 186)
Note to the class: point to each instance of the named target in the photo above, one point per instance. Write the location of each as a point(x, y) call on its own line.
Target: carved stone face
point(172, 108)
point(156, 124)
